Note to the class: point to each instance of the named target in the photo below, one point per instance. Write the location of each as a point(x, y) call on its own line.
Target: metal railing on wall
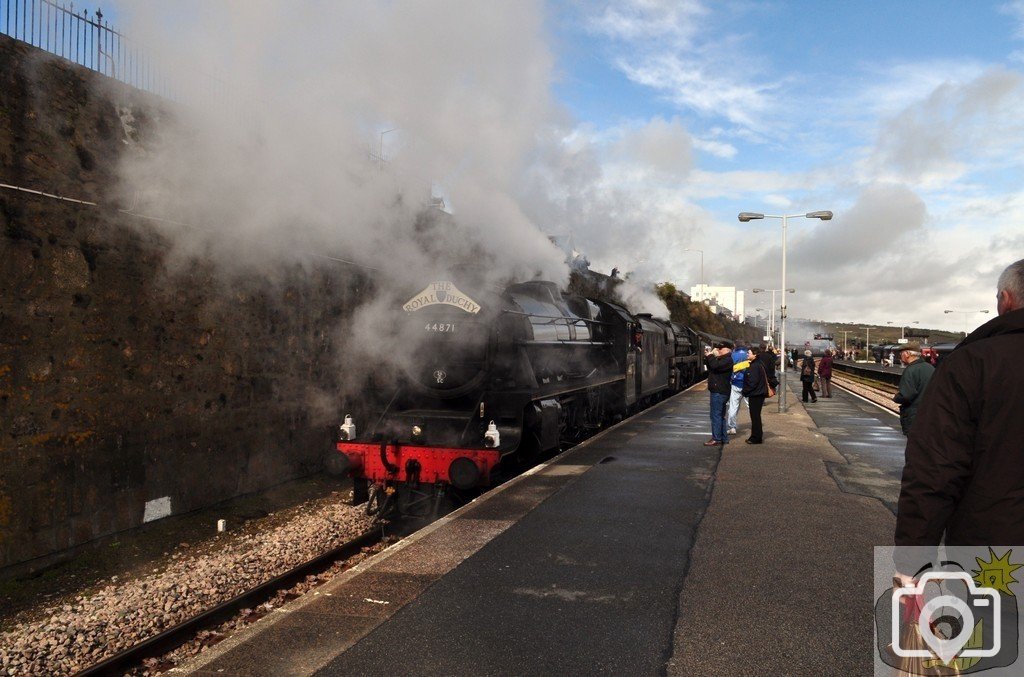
point(81, 37)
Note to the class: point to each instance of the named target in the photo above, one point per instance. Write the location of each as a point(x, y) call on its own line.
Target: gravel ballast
point(79, 632)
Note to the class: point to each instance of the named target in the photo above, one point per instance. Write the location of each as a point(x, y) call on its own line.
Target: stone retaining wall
point(128, 391)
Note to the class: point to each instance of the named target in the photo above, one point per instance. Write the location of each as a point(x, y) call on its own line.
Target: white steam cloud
point(325, 127)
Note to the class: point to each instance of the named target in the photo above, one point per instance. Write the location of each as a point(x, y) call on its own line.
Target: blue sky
point(900, 117)
point(641, 128)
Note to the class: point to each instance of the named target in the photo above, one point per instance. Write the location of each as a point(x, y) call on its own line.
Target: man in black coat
point(719, 364)
point(964, 472)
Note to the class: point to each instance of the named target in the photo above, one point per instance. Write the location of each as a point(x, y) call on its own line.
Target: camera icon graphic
point(978, 600)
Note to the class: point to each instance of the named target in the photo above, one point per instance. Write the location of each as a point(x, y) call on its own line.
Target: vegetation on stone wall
point(698, 316)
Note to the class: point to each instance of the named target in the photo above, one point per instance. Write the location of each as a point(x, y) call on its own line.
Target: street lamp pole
point(380, 155)
point(965, 313)
point(751, 216)
point(774, 327)
point(701, 251)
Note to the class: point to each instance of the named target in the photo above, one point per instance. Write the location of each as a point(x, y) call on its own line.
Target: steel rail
point(848, 385)
point(177, 635)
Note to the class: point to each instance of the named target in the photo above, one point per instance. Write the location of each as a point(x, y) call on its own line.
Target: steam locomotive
point(505, 377)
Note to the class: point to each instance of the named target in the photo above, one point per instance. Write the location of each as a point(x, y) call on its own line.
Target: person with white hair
point(916, 375)
point(807, 377)
point(964, 474)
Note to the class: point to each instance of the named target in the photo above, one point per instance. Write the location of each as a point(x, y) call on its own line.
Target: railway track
point(872, 390)
point(178, 635)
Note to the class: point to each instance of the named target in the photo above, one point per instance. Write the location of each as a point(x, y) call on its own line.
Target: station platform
point(640, 551)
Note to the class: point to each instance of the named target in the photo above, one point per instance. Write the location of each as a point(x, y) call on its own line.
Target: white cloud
point(720, 149)
point(751, 184)
point(1016, 10)
point(691, 84)
point(936, 139)
point(639, 20)
point(664, 147)
point(666, 45)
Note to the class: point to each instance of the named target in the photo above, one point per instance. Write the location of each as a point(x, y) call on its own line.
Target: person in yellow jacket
point(740, 362)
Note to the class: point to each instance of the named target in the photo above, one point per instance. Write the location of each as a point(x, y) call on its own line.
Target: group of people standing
point(735, 373)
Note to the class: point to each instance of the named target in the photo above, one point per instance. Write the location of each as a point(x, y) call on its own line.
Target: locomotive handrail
point(533, 342)
point(556, 317)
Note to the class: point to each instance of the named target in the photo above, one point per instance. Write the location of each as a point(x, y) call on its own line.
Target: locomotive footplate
point(384, 462)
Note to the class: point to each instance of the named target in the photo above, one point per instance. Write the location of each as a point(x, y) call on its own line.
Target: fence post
point(99, 39)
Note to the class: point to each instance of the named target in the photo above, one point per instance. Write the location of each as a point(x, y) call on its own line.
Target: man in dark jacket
point(756, 380)
point(912, 384)
point(719, 364)
point(964, 473)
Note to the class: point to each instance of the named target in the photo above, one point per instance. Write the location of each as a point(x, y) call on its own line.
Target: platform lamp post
point(701, 252)
point(757, 317)
point(380, 156)
point(757, 290)
point(965, 313)
point(753, 216)
point(771, 326)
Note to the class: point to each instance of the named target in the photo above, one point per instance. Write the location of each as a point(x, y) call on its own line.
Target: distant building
point(725, 298)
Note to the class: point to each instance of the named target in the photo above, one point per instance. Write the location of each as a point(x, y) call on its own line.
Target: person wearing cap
point(719, 364)
point(913, 382)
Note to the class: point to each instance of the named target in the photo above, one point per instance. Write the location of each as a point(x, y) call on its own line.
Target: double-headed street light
point(758, 290)
point(758, 316)
point(965, 313)
point(903, 329)
point(753, 216)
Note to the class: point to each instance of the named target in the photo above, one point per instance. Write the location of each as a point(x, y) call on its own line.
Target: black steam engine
point(503, 377)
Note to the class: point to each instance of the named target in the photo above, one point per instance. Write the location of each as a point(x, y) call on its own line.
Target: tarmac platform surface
point(640, 551)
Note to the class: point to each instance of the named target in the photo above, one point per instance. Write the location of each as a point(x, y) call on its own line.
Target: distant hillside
point(879, 334)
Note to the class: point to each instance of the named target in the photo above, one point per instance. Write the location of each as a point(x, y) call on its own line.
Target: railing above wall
point(82, 37)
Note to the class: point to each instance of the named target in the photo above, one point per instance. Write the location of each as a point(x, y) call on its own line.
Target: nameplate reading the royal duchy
point(442, 293)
